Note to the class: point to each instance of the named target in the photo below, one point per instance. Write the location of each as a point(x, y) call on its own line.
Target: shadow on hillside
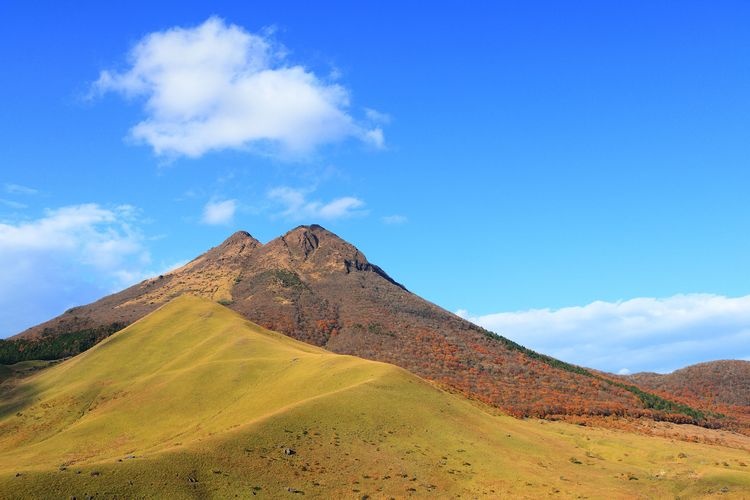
point(16, 394)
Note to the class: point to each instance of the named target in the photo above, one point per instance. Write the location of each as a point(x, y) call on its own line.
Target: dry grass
point(195, 401)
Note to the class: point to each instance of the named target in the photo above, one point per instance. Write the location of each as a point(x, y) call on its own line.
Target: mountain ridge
point(722, 384)
point(314, 286)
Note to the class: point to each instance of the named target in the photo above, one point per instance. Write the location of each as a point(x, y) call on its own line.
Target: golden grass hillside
point(194, 401)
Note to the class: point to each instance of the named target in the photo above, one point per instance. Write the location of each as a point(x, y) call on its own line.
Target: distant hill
point(194, 401)
point(315, 287)
point(716, 382)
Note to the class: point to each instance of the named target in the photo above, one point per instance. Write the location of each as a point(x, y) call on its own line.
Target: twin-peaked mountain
point(313, 286)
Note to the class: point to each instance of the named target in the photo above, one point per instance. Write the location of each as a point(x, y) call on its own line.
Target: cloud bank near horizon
point(641, 334)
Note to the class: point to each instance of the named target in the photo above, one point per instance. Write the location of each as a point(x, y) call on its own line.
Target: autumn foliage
point(315, 287)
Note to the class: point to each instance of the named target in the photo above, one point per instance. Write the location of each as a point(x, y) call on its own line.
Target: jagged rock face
point(312, 285)
point(296, 284)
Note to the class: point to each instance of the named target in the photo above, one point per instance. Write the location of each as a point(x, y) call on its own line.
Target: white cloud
point(644, 334)
point(219, 212)
point(103, 235)
point(217, 86)
point(376, 116)
point(395, 219)
point(69, 255)
point(375, 138)
point(13, 204)
point(18, 189)
point(296, 205)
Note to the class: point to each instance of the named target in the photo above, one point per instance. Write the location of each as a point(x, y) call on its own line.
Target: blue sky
point(495, 159)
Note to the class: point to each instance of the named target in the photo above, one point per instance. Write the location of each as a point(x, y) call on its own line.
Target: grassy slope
point(195, 401)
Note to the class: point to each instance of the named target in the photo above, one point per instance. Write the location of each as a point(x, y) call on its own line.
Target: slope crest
point(198, 366)
point(194, 401)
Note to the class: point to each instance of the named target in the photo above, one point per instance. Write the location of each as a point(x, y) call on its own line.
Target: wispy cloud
point(13, 204)
point(394, 219)
point(219, 212)
point(375, 137)
point(103, 236)
point(377, 117)
point(295, 205)
point(217, 86)
point(69, 254)
point(19, 189)
point(642, 334)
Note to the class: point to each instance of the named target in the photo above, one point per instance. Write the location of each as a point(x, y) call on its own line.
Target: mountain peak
point(238, 244)
point(310, 227)
point(240, 237)
point(305, 242)
point(312, 230)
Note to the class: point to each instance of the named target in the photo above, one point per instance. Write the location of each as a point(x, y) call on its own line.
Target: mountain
point(194, 401)
point(315, 287)
point(717, 385)
point(724, 382)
